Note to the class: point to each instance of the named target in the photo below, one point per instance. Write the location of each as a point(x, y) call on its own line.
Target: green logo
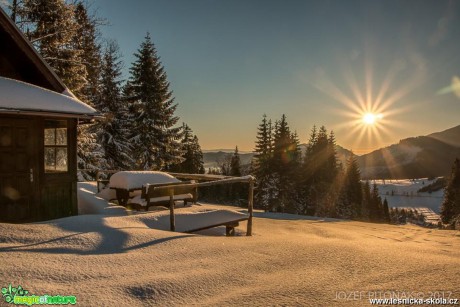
point(21, 296)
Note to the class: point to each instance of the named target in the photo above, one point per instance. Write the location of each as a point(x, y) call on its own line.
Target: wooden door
point(18, 170)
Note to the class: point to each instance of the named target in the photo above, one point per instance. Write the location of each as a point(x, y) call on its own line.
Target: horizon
point(229, 150)
point(373, 72)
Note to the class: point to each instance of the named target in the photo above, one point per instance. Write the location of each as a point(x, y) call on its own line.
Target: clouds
point(454, 87)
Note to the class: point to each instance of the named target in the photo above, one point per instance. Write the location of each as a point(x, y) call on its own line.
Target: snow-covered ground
point(107, 260)
point(403, 193)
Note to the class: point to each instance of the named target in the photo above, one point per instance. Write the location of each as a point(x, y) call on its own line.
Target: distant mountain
point(416, 157)
point(343, 154)
point(450, 136)
point(224, 150)
point(212, 159)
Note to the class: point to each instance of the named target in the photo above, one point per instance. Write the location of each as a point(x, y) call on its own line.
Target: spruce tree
point(262, 165)
point(235, 164)
point(285, 163)
point(450, 208)
point(349, 204)
point(386, 211)
point(86, 40)
point(307, 178)
point(192, 155)
point(366, 202)
point(52, 28)
point(198, 165)
point(112, 129)
point(90, 151)
point(319, 177)
point(376, 209)
point(155, 139)
point(236, 190)
point(63, 35)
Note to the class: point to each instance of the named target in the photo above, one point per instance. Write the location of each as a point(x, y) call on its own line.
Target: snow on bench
point(194, 221)
point(125, 182)
point(130, 180)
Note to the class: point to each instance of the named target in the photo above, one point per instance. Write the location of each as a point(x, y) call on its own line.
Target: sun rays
point(371, 118)
point(369, 104)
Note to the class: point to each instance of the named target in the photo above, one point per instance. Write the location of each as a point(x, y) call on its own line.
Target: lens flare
point(371, 107)
point(371, 118)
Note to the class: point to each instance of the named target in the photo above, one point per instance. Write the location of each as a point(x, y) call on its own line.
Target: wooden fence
point(209, 180)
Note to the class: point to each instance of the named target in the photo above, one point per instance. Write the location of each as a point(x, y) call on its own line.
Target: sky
point(325, 62)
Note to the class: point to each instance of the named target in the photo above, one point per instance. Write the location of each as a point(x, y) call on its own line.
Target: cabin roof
point(39, 79)
point(20, 97)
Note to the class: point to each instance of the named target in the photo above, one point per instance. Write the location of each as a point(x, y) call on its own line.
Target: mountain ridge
point(431, 155)
point(414, 157)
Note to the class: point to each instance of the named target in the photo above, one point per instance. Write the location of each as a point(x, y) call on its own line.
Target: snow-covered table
point(129, 183)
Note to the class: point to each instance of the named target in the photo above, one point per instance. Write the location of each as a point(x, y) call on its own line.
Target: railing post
point(250, 205)
point(172, 218)
point(97, 180)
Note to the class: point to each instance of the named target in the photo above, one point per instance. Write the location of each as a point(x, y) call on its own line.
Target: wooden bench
point(153, 197)
point(123, 195)
point(229, 227)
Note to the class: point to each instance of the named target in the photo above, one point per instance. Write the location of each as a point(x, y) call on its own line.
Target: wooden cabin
point(38, 133)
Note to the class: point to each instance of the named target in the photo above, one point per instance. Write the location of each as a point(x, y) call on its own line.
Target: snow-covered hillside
point(403, 193)
point(290, 260)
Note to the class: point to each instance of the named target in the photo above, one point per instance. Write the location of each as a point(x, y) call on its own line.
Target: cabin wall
point(27, 191)
point(58, 191)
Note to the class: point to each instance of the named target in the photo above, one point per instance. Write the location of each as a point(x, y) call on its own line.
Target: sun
point(371, 118)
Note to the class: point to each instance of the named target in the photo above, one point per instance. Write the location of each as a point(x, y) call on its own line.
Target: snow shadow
point(91, 236)
point(295, 217)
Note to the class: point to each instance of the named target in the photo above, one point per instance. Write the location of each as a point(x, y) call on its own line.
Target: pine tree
point(235, 164)
point(197, 156)
point(86, 39)
point(112, 130)
point(376, 208)
point(236, 190)
point(155, 139)
point(320, 171)
point(332, 165)
point(307, 179)
point(262, 166)
point(386, 211)
point(192, 155)
point(61, 33)
point(90, 151)
point(366, 202)
point(296, 203)
point(450, 208)
point(283, 154)
point(349, 204)
point(52, 28)
point(14, 9)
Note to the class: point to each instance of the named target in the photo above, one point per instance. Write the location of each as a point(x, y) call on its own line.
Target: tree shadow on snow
point(296, 217)
point(110, 240)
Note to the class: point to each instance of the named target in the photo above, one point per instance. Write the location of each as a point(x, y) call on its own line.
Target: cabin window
point(56, 146)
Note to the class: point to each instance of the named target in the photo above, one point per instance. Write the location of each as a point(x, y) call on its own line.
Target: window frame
point(56, 124)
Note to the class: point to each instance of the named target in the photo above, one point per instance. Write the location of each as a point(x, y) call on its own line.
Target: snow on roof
point(136, 179)
point(18, 96)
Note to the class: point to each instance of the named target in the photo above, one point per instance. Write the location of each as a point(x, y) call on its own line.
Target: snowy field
point(118, 259)
point(403, 193)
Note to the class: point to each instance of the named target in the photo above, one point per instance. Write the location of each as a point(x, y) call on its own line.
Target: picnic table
point(150, 188)
point(129, 184)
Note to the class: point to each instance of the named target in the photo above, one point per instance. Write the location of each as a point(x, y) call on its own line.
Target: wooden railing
point(211, 181)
